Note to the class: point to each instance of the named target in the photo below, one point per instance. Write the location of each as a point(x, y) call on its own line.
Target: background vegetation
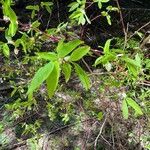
point(74, 75)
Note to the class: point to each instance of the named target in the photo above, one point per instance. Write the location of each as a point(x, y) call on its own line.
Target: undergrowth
point(52, 96)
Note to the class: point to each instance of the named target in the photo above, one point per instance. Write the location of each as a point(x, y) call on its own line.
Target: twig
point(87, 65)
point(67, 126)
point(90, 4)
point(122, 23)
point(15, 146)
point(96, 17)
point(139, 30)
point(58, 14)
point(7, 87)
point(106, 141)
point(100, 132)
point(142, 83)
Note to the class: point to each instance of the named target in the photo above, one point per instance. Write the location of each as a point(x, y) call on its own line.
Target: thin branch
point(139, 29)
point(96, 17)
point(142, 83)
point(122, 23)
point(87, 66)
point(67, 126)
point(100, 132)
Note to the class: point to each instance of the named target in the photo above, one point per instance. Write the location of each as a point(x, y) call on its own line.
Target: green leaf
point(134, 66)
point(138, 60)
point(65, 118)
point(135, 106)
point(100, 116)
point(8, 11)
point(41, 75)
point(111, 8)
point(104, 1)
point(47, 6)
point(35, 24)
point(22, 42)
point(60, 45)
point(79, 53)
point(132, 69)
point(52, 80)
point(65, 48)
point(6, 50)
point(76, 14)
point(82, 76)
point(73, 6)
point(99, 5)
point(108, 17)
point(81, 20)
point(13, 26)
point(47, 56)
point(124, 108)
point(66, 68)
point(140, 34)
point(131, 61)
point(105, 59)
point(107, 46)
point(147, 62)
point(33, 7)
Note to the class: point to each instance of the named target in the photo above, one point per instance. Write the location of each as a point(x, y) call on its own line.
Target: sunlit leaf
point(131, 61)
point(100, 116)
point(135, 106)
point(138, 60)
point(105, 59)
point(12, 29)
point(124, 108)
point(40, 76)
point(65, 48)
point(108, 17)
point(9, 12)
point(6, 50)
point(52, 80)
point(35, 24)
point(73, 6)
point(47, 56)
point(107, 46)
point(82, 76)
point(132, 69)
point(66, 68)
point(79, 53)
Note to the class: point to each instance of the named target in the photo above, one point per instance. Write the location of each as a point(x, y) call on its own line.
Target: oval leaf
point(66, 68)
point(82, 76)
point(47, 56)
point(135, 106)
point(52, 80)
point(124, 108)
point(65, 48)
point(79, 53)
point(132, 61)
point(41, 75)
point(107, 46)
point(6, 50)
point(105, 59)
point(12, 28)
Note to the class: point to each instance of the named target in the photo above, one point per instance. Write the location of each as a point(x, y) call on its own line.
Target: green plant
point(9, 15)
point(79, 8)
point(63, 59)
point(130, 102)
point(120, 85)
